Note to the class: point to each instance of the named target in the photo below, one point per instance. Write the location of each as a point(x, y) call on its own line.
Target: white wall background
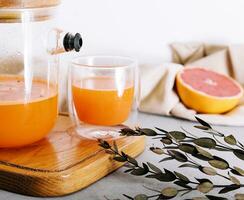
point(144, 28)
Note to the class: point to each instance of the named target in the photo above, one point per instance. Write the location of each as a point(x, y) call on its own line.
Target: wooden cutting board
point(60, 164)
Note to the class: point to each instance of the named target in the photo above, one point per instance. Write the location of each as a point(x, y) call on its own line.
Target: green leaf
point(182, 184)
point(187, 148)
point(157, 150)
point(120, 159)
point(240, 144)
point(202, 127)
point(171, 147)
point(205, 142)
point(154, 168)
point(178, 155)
point(166, 140)
point(162, 130)
point(205, 187)
point(148, 132)
point(145, 167)
point(182, 177)
point(124, 154)
point(203, 122)
point(219, 163)
point(220, 149)
point(166, 159)
point(211, 197)
point(204, 153)
point(139, 172)
point(152, 176)
point(103, 144)
point(128, 170)
point(230, 139)
point(128, 132)
point(234, 180)
point(168, 176)
point(233, 171)
point(208, 170)
point(169, 192)
point(202, 180)
point(178, 135)
point(239, 171)
point(215, 133)
point(239, 153)
point(201, 157)
point(141, 197)
point(188, 165)
point(229, 188)
point(132, 160)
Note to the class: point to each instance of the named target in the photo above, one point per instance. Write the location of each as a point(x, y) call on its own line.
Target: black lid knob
point(72, 42)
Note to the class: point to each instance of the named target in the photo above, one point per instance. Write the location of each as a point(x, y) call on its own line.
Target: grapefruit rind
point(205, 103)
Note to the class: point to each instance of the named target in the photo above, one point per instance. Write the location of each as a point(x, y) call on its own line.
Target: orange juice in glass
point(25, 118)
point(102, 94)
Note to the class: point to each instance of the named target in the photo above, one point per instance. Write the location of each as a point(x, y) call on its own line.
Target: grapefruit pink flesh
point(207, 91)
point(210, 82)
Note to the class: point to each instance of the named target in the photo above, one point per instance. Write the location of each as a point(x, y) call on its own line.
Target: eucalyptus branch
point(183, 147)
point(167, 137)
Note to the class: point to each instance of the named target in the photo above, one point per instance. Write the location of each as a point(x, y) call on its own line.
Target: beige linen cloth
point(158, 95)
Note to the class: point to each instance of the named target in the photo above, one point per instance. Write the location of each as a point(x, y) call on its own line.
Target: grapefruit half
point(207, 91)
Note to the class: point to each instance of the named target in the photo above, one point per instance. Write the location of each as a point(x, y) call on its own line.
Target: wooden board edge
point(21, 4)
point(62, 183)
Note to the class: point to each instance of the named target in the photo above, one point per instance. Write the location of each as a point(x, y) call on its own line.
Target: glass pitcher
point(29, 61)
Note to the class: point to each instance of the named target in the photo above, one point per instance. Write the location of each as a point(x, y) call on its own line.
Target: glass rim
point(132, 62)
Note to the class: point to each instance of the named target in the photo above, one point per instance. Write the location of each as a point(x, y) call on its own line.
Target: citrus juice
point(25, 119)
point(102, 101)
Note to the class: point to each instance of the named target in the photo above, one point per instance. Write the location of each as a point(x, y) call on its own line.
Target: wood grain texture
point(38, 10)
point(28, 3)
point(60, 164)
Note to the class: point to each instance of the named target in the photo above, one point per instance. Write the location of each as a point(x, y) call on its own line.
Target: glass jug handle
point(59, 41)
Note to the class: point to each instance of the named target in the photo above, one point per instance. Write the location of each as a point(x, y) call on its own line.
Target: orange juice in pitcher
point(25, 118)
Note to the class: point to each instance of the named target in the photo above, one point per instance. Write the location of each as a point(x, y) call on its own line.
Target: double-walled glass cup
point(103, 95)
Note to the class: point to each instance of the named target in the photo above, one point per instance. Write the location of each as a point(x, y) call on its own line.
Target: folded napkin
point(158, 95)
